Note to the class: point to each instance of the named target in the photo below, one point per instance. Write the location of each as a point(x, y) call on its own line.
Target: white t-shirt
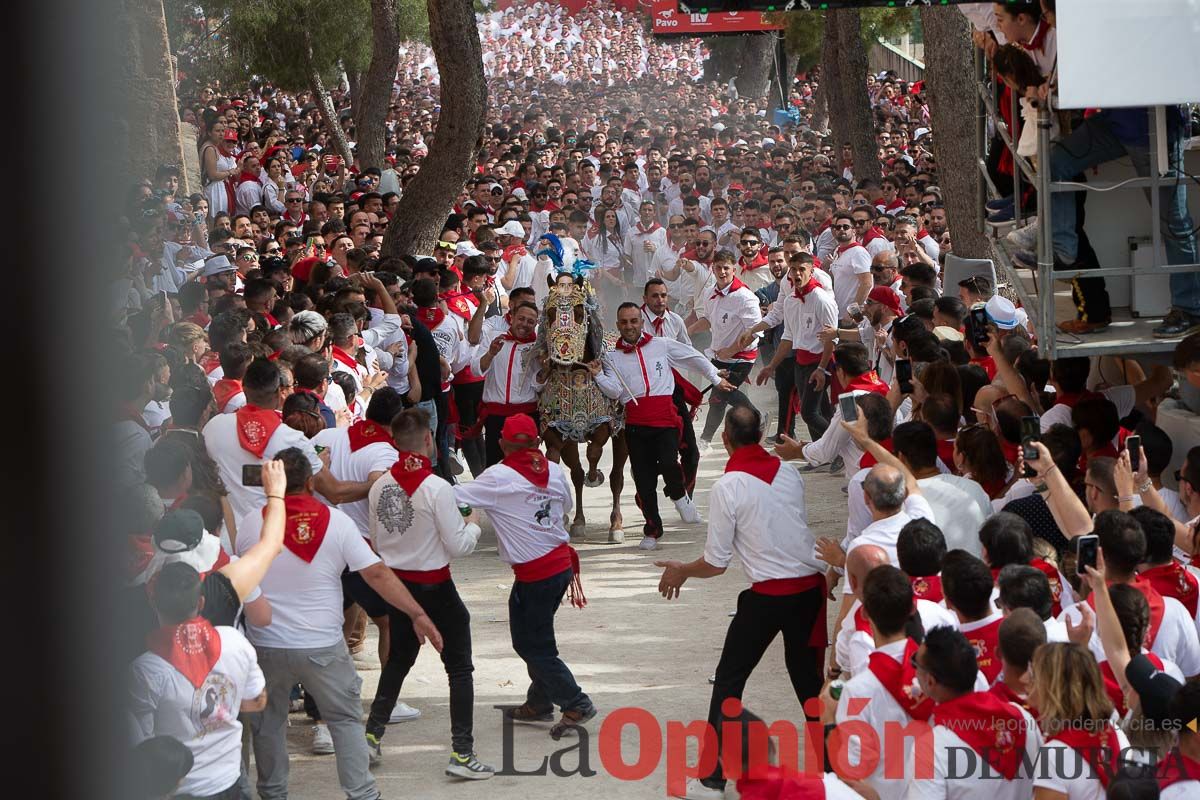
point(1176, 639)
point(423, 532)
point(221, 441)
point(354, 466)
point(1064, 771)
point(306, 597)
point(961, 506)
point(1123, 397)
point(164, 703)
point(884, 532)
point(845, 269)
point(528, 519)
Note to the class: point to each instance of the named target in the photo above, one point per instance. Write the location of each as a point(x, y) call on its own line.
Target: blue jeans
point(1093, 143)
point(531, 610)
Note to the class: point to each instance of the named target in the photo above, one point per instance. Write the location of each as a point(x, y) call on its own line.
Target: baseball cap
point(1156, 691)
point(887, 296)
point(944, 333)
point(466, 249)
point(425, 265)
point(180, 536)
point(1001, 312)
point(919, 132)
point(519, 429)
point(512, 228)
point(519, 193)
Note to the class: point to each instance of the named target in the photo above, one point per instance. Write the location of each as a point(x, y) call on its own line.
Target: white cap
point(1002, 312)
point(919, 132)
point(767, 142)
point(467, 249)
point(519, 193)
point(512, 228)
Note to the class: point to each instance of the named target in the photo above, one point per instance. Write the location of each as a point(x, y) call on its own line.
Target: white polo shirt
point(165, 703)
point(420, 533)
point(731, 311)
point(306, 597)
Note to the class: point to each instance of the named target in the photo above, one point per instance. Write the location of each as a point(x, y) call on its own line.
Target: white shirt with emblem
point(528, 519)
point(355, 466)
point(420, 533)
point(730, 313)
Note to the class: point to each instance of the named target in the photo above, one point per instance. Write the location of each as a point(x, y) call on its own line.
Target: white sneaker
point(366, 659)
point(403, 712)
point(469, 767)
point(698, 791)
point(648, 543)
point(322, 743)
point(688, 511)
point(1024, 238)
point(702, 447)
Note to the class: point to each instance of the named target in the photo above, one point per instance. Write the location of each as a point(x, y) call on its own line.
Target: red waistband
point(424, 575)
point(779, 587)
point(746, 355)
point(506, 409)
point(654, 411)
point(557, 560)
point(804, 358)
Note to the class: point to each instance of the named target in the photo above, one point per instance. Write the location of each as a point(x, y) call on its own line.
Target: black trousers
point(654, 452)
point(441, 437)
point(784, 381)
point(759, 619)
point(445, 608)
point(468, 396)
point(689, 456)
point(739, 371)
point(814, 406)
point(491, 437)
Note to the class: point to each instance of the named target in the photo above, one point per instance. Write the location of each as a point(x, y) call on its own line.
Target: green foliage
point(805, 31)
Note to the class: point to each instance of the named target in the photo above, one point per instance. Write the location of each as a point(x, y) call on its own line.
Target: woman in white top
point(217, 166)
point(274, 185)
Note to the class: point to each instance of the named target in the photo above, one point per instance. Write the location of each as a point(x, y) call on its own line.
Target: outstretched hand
point(672, 579)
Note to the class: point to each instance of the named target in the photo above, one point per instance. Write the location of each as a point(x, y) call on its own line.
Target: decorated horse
point(571, 407)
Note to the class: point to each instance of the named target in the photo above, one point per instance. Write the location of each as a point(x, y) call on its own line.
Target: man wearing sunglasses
point(869, 235)
point(851, 265)
point(753, 269)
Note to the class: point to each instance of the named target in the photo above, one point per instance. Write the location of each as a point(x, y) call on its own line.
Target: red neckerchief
point(343, 357)
point(460, 305)
point(657, 322)
point(653, 227)
point(508, 335)
point(247, 177)
point(1011, 451)
point(867, 382)
point(1174, 580)
point(1090, 745)
point(1112, 686)
point(922, 234)
point(897, 677)
point(755, 461)
point(803, 291)
point(1005, 693)
point(1105, 451)
point(989, 366)
point(1187, 769)
point(225, 390)
point(431, 317)
point(760, 260)
point(871, 235)
point(255, 426)
point(927, 587)
point(141, 552)
point(1052, 574)
point(842, 248)
point(626, 347)
point(867, 461)
point(410, 471)
point(994, 729)
point(733, 286)
point(530, 464)
point(365, 432)
point(274, 323)
point(777, 783)
point(1153, 599)
point(192, 648)
point(306, 524)
point(1038, 40)
point(945, 448)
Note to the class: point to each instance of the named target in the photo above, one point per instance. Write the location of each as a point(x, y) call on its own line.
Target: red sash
point(927, 587)
point(776, 783)
point(365, 432)
point(1094, 746)
point(898, 678)
point(192, 647)
point(556, 561)
point(984, 640)
point(1174, 580)
point(410, 471)
point(871, 235)
point(1113, 686)
point(254, 428)
point(1177, 768)
point(867, 461)
point(994, 729)
point(225, 390)
point(1055, 577)
point(424, 576)
point(306, 525)
point(754, 460)
point(530, 464)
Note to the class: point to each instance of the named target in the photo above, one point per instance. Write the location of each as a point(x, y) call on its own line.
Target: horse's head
point(566, 324)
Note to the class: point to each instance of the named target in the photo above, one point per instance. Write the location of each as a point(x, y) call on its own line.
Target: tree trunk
point(375, 87)
point(430, 195)
point(855, 101)
point(756, 64)
point(950, 81)
point(831, 83)
point(325, 103)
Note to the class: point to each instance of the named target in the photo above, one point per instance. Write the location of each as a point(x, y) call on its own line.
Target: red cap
point(737, 187)
point(303, 267)
point(519, 429)
point(231, 134)
point(887, 296)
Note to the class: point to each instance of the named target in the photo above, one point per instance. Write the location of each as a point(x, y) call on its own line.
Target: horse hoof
point(578, 530)
point(616, 536)
point(591, 482)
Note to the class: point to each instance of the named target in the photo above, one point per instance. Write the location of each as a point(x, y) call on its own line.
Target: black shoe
point(1177, 324)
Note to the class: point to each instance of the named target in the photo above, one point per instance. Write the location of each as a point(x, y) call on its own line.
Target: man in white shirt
point(639, 372)
point(526, 496)
point(729, 311)
point(416, 528)
point(192, 683)
point(850, 267)
point(643, 241)
point(980, 742)
point(255, 433)
point(506, 360)
point(968, 586)
point(130, 433)
point(304, 642)
point(787, 592)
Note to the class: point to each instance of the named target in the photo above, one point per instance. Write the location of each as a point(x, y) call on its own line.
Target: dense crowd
point(308, 431)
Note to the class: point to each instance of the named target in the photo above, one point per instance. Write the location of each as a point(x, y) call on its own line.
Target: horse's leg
point(554, 445)
point(616, 522)
point(570, 457)
point(595, 449)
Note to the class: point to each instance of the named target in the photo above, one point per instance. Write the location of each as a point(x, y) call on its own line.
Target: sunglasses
point(379, 225)
point(445, 246)
point(749, 243)
point(841, 227)
point(293, 200)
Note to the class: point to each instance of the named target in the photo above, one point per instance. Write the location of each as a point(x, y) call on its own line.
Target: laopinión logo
point(855, 750)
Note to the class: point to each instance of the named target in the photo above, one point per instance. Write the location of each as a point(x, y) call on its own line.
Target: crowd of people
point(308, 431)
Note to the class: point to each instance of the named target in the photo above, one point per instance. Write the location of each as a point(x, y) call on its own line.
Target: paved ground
point(629, 647)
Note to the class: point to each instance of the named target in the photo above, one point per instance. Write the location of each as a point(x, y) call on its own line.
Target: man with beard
point(850, 267)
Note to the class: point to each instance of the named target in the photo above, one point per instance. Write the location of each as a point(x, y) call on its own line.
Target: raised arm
point(247, 572)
